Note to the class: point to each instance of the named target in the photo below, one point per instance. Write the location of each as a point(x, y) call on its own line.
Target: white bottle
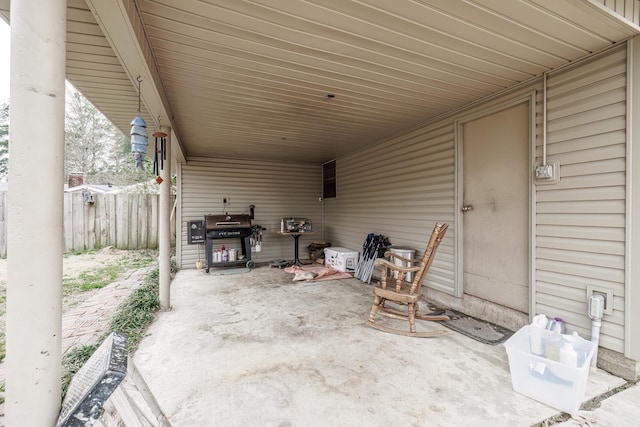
point(567, 355)
point(537, 338)
point(554, 345)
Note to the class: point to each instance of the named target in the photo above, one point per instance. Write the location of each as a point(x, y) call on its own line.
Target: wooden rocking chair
point(395, 288)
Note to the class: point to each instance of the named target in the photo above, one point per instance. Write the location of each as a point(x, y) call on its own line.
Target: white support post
point(34, 244)
point(632, 268)
point(164, 225)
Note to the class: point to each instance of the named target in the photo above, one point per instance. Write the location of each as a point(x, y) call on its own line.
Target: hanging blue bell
point(139, 140)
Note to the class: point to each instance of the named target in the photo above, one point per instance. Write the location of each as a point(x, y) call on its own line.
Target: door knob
point(466, 208)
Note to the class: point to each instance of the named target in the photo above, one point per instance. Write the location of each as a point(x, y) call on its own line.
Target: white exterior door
point(496, 207)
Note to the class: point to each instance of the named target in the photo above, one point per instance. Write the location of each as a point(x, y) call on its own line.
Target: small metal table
point(296, 238)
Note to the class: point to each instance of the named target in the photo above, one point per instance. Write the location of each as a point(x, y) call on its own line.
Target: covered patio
point(513, 121)
point(260, 349)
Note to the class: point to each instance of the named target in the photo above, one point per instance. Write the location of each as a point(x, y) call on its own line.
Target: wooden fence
point(125, 221)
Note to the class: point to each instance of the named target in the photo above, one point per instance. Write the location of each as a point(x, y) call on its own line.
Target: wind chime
point(160, 154)
point(138, 133)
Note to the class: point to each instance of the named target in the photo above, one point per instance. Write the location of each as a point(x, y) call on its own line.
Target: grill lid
point(226, 221)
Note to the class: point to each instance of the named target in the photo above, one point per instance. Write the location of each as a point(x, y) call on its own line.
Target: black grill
point(228, 226)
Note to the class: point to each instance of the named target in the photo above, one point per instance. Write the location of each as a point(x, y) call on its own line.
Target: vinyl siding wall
point(580, 233)
point(402, 186)
point(400, 189)
point(276, 189)
point(629, 9)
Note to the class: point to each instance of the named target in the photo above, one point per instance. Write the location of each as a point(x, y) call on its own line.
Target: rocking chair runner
point(395, 288)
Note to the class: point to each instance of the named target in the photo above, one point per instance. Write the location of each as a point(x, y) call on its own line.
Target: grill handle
point(228, 223)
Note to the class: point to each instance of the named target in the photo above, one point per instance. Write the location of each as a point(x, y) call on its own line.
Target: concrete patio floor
point(258, 349)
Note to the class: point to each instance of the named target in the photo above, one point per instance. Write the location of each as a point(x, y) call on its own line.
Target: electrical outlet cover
point(544, 172)
point(549, 173)
point(606, 292)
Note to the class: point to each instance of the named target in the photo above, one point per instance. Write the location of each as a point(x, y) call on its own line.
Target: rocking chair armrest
point(384, 263)
point(393, 256)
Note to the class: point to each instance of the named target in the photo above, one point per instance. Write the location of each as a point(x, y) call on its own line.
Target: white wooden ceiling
point(252, 79)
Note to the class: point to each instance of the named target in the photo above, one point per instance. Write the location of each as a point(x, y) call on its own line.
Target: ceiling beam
point(121, 24)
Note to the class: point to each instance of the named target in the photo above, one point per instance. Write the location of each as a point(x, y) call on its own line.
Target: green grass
point(73, 361)
point(78, 252)
point(105, 275)
point(131, 319)
point(137, 312)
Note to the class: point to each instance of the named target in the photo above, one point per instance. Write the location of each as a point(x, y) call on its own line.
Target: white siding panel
point(276, 189)
point(586, 142)
point(607, 206)
point(581, 257)
point(629, 9)
point(610, 90)
point(578, 245)
point(604, 166)
point(587, 128)
point(590, 181)
point(580, 270)
point(587, 75)
point(578, 232)
point(587, 220)
point(580, 222)
point(590, 117)
point(573, 284)
point(599, 193)
point(400, 189)
point(592, 155)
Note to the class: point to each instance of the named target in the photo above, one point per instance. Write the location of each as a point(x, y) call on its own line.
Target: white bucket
point(233, 254)
point(404, 253)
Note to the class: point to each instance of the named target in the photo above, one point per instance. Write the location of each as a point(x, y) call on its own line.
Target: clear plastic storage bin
point(552, 382)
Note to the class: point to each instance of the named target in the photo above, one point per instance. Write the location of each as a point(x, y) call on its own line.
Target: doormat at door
point(479, 330)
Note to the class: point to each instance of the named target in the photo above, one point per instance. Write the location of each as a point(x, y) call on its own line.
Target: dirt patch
point(84, 276)
point(76, 267)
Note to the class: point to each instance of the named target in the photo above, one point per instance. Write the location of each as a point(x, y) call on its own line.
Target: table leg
point(296, 239)
point(296, 257)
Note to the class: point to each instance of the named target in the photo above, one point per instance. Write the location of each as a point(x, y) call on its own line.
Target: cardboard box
point(341, 259)
point(551, 382)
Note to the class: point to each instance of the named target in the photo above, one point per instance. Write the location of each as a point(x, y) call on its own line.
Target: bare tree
point(95, 147)
point(122, 169)
point(87, 137)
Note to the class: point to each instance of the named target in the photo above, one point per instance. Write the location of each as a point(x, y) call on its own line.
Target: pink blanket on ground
point(319, 272)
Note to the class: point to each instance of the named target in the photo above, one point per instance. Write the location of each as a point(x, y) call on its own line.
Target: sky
point(4, 62)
